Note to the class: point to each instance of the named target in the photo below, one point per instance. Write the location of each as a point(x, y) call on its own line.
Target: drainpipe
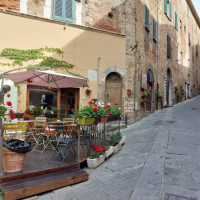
point(98, 61)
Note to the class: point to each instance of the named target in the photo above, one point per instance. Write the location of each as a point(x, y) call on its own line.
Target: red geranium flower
point(26, 111)
point(95, 109)
point(105, 107)
point(11, 111)
point(33, 104)
point(108, 106)
point(36, 111)
point(72, 109)
point(45, 113)
point(99, 151)
point(9, 103)
point(116, 104)
point(96, 148)
point(95, 104)
point(29, 80)
point(12, 117)
point(89, 102)
point(108, 111)
point(99, 107)
point(104, 148)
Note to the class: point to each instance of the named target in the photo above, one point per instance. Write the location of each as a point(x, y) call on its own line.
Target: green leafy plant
point(146, 93)
point(115, 138)
point(55, 110)
point(36, 110)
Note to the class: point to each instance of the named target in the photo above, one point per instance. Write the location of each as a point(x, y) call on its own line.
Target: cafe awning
point(46, 79)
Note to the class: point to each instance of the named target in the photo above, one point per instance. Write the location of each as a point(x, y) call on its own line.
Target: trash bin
point(14, 154)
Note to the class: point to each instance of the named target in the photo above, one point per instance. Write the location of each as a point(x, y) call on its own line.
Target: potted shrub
point(97, 157)
point(55, 111)
point(115, 141)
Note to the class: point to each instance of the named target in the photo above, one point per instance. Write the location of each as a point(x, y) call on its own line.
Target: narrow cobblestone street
point(161, 156)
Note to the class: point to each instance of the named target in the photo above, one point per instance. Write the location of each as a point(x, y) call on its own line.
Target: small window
point(180, 27)
point(189, 41)
point(154, 29)
point(168, 46)
point(146, 17)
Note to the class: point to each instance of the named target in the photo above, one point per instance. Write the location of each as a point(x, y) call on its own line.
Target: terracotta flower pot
point(13, 162)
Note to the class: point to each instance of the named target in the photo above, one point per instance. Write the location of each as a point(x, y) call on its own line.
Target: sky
point(197, 6)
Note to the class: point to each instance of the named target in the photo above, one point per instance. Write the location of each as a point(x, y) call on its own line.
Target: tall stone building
point(162, 40)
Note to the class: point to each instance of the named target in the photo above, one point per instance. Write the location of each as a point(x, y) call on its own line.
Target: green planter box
point(86, 120)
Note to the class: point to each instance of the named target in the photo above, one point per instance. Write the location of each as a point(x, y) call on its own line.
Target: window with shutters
point(176, 20)
point(168, 46)
point(146, 21)
point(168, 9)
point(154, 29)
point(63, 10)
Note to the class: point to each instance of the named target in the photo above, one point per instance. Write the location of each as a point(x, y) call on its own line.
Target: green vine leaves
point(20, 56)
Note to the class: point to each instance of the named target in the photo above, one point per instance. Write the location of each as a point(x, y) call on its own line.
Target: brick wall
point(10, 4)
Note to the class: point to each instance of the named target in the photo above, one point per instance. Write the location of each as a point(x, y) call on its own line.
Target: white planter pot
point(94, 163)
point(109, 152)
point(117, 148)
point(122, 141)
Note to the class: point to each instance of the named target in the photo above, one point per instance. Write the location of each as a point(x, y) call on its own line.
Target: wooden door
point(113, 93)
point(168, 85)
point(149, 97)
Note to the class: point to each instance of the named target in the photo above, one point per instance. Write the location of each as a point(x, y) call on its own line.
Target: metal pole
point(98, 77)
point(78, 143)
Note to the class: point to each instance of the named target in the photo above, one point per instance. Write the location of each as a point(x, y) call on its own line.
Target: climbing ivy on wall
point(20, 56)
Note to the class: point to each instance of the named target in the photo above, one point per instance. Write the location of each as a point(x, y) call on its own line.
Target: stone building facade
point(162, 46)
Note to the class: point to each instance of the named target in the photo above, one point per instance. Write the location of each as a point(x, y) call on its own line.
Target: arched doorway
point(113, 89)
point(150, 88)
point(168, 87)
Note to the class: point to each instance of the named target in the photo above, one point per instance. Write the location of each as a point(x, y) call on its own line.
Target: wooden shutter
point(165, 6)
point(69, 10)
point(58, 9)
point(168, 46)
point(154, 28)
point(170, 11)
point(176, 20)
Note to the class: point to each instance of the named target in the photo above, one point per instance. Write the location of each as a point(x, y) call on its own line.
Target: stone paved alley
point(161, 156)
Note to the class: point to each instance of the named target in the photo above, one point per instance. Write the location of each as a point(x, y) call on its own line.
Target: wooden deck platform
point(39, 175)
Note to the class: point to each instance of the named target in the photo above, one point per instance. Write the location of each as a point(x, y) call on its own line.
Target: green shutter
point(146, 16)
point(165, 6)
point(58, 9)
point(176, 20)
point(154, 28)
point(170, 11)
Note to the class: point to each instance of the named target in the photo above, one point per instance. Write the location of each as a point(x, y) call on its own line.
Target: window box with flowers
point(26, 116)
point(97, 157)
point(109, 151)
point(34, 111)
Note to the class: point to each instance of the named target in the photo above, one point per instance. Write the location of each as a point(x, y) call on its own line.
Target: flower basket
point(112, 118)
point(86, 120)
point(87, 92)
point(94, 163)
point(104, 119)
point(109, 152)
point(97, 120)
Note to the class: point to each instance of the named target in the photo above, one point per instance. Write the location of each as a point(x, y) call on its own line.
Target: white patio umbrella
point(47, 79)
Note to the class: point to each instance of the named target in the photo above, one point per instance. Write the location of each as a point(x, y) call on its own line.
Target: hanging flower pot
point(88, 91)
point(86, 120)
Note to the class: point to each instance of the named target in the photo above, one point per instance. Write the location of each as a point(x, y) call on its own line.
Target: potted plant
point(48, 114)
point(88, 91)
point(55, 111)
point(115, 141)
point(86, 115)
point(97, 157)
point(26, 116)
